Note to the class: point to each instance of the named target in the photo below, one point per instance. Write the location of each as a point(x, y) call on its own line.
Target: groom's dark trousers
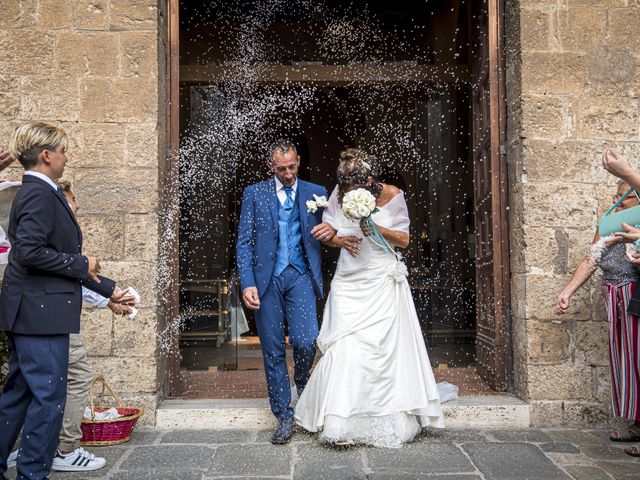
point(40, 304)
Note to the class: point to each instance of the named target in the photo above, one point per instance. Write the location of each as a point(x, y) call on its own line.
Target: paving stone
point(576, 437)
point(454, 436)
point(409, 476)
point(519, 435)
point(587, 473)
point(559, 448)
point(299, 436)
point(144, 437)
point(165, 475)
point(169, 457)
point(422, 458)
point(611, 452)
point(507, 461)
point(317, 461)
point(251, 460)
point(564, 459)
point(622, 470)
point(207, 436)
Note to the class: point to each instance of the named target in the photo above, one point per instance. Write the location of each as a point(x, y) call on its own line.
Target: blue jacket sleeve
point(246, 241)
point(35, 221)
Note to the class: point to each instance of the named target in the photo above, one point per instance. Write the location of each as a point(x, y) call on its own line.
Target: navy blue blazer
point(258, 234)
point(41, 290)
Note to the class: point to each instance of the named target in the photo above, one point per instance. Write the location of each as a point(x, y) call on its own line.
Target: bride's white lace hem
point(389, 431)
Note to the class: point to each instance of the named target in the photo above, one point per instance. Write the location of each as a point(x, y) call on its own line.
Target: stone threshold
point(491, 411)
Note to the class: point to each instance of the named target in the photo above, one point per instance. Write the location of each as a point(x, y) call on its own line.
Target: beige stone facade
point(573, 89)
point(97, 68)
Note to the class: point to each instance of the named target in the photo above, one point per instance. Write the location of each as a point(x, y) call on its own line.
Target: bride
point(373, 383)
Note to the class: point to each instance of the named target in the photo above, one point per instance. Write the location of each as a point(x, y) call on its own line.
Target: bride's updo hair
point(355, 168)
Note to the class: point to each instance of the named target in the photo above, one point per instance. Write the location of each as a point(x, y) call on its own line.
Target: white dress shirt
point(42, 176)
point(282, 195)
point(93, 298)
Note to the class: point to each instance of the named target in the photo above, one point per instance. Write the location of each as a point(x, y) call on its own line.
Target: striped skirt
point(624, 350)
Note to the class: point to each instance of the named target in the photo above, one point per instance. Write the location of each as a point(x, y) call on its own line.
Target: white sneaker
point(77, 461)
point(13, 458)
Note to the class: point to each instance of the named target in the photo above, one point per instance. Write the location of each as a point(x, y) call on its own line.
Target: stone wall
point(573, 89)
point(91, 66)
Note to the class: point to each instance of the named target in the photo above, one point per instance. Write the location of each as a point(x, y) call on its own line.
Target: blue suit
point(40, 304)
point(287, 292)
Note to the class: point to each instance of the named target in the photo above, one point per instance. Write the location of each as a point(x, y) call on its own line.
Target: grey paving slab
point(513, 461)
point(165, 475)
point(579, 472)
point(454, 436)
point(143, 437)
point(299, 436)
point(609, 452)
point(559, 448)
point(424, 458)
point(577, 437)
point(622, 470)
point(207, 436)
point(519, 435)
point(409, 476)
point(320, 461)
point(251, 460)
point(169, 457)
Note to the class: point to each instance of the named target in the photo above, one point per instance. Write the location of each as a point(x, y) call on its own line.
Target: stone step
point(494, 411)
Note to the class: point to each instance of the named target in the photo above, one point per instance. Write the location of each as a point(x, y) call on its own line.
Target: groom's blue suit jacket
point(258, 234)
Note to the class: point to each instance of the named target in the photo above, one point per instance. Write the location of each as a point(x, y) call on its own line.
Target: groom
point(279, 262)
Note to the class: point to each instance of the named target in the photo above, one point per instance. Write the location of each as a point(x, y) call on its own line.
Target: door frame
point(500, 226)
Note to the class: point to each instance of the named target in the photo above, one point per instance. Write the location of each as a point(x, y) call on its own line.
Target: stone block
point(139, 275)
point(602, 380)
point(612, 71)
point(139, 55)
point(520, 375)
point(87, 53)
point(167, 457)
point(582, 28)
point(548, 343)
point(592, 343)
point(544, 250)
point(135, 375)
point(580, 241)
point(135, 337)
point(539, 28)
point(117, 190)
point(583, 412)
point(250, 461)
point(547, 117)
point(96, 330)
point(506, 461)
point(103, 235)
point(55, 14)
point(91, 14)
point(141, 237)
point(623, 28)
point(566, 160)
point(95, 144)
point(554, 73)
point(18, 14)
point(142, 148)
point(560, 382)
point(134, 15)
point(208, 436)
point(9, 97)
point(542, 208)
point(609, 118)
point(119, 100)
point(28, 51)
point(148, 403)
point(49, 98)
point(545, 413)
point(420, 459)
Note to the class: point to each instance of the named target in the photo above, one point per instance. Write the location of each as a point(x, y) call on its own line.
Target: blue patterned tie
point(288, 203)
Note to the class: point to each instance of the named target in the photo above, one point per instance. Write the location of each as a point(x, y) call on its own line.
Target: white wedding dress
point(373, 383)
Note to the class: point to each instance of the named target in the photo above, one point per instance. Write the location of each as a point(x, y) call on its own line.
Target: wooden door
point(490, 192)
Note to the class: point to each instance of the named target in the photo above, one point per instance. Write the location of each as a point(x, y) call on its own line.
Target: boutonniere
point(316, 203)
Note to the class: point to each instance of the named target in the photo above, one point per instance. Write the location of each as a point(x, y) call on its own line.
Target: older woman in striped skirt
point(619, 278)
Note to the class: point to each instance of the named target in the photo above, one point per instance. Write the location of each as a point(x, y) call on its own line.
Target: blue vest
point(290, 246)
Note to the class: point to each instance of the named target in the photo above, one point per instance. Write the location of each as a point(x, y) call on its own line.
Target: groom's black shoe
point(284, 432)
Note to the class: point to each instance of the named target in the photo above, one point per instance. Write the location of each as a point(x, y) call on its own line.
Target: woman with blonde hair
point(374, 383)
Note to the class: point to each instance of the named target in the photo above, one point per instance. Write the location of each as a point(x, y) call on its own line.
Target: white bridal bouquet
point(317, 202)
point(358, 204)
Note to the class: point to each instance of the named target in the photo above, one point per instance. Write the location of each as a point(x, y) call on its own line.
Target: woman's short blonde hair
point(29, 139)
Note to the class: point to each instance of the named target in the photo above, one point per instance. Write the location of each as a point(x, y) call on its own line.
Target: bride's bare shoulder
point(389, 192)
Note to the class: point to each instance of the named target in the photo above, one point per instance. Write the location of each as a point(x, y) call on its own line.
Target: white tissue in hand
point(135, 294)
point(134, 312)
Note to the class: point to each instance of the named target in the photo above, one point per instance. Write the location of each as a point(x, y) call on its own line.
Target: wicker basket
point(108, 432)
